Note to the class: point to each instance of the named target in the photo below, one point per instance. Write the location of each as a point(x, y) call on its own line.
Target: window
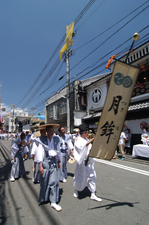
point(63, 108)
point(50, 112)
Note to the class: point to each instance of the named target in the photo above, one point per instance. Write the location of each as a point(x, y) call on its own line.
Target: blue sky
point(32, 29)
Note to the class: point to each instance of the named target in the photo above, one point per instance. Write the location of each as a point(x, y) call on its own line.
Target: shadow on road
point(115, 204)
point(70, 174)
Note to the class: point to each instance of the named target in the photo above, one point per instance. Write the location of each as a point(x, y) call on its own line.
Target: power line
point(45, 67)
point(97, 7)
point(57, 62)
point(100, 65)
point(82, 13)
point(109, 37)
point(111, 26)
point(138, 43)
point(98, 46)
point(50, 85)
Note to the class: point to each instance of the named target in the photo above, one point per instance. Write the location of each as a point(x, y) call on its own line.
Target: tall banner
point(121, 86)
point(68, 40)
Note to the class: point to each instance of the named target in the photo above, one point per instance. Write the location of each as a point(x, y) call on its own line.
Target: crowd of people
point(9, 136)
point(50, 153)
point(124, 144)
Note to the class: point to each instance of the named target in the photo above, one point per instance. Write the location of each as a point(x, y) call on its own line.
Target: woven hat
point(71, 159)
point(37, 134)
point(54, 125)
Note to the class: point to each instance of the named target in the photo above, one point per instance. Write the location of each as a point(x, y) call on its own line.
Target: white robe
point(15, 149)
point(52, 153)
point(84, 175)
point(145, 138)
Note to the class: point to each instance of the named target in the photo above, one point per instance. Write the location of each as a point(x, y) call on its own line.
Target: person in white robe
point(145, 136)
point(34, 149)
point(28, 139)
point(75, 134)
point(18, 150)
point(66, 148)
point(85, 174)
point(48, 156)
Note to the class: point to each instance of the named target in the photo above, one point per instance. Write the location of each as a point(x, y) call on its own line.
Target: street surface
point(123, 186)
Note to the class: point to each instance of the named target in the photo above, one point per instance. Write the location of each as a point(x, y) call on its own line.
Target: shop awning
point(87, 117)
point(91, 116)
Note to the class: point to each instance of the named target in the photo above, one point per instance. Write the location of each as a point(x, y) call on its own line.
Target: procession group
point(50, 153)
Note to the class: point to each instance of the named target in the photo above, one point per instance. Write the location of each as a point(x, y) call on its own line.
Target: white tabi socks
point(75, 194)
point(56, 207)
point(95, 198)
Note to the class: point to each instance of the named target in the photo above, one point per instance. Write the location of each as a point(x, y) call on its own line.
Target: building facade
point(56, 105)
point(138, 112)
point(87, 98)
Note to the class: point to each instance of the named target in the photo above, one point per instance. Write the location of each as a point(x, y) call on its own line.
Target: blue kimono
point(49, 182)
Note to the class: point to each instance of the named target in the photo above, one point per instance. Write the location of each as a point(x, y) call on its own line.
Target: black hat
point(83, 127)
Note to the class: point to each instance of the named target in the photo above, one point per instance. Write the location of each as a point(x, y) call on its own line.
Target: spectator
point(128, 142)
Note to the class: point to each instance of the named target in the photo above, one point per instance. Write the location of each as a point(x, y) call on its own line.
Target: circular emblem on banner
point(118, 78)
point(127, 82)
point(96, 96)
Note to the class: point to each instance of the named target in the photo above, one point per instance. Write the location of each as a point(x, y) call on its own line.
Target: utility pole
point(68, 92)
point(65, 48)
point(33, 110)
point(13, 119)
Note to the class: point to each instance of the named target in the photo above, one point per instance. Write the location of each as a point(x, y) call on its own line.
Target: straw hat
point(54, 125)
point(42, 128)
point(37, 134)
point(71, 159)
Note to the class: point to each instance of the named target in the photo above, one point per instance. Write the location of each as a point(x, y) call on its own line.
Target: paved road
point(123, 186)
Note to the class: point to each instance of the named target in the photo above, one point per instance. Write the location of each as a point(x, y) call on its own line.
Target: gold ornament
point(136, 36)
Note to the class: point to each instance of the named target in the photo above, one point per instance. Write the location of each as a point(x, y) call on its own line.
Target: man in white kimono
point(18, 150)
point(34, 149)
point(48, 156)
point(66, 148)
point(85, 174)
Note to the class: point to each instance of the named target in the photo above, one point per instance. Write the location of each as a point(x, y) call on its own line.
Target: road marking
point(123, 167)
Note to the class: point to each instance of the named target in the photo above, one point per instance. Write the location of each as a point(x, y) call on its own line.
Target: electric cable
point(82, 13)
point(90, 53)
point(109, 38)
point(101, 64)
point(111, 26)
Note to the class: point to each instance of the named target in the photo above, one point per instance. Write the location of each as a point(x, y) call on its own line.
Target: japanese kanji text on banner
point(113, 115)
